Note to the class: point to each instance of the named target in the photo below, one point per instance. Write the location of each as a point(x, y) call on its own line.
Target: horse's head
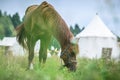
point(69, 54)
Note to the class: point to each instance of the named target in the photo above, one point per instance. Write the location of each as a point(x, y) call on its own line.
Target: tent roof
point(8, 41)
point(96, 28)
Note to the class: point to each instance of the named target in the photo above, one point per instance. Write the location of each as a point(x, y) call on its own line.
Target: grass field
point(13, 68)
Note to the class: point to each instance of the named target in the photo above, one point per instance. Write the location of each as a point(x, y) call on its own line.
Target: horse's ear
point(74, 40)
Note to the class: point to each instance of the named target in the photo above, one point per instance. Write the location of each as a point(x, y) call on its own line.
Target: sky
point(79, 12)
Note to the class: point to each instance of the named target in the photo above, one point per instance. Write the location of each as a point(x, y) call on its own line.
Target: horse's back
point(30, 9)
point(44, 19)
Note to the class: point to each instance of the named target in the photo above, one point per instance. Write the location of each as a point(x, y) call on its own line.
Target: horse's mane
point(31, 8)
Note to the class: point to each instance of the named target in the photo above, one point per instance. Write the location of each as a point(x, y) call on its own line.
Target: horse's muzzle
point(71, 66)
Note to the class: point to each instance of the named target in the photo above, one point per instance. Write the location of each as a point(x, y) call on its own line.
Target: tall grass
point(98, 69)
point(13, 68)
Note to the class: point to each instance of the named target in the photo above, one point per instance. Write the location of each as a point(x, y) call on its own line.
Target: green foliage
point(0, 13)
point(118, 38)
point(1, 31)
point(76, 29)
point(15, 19)
point(6, 27)
point(54, 43)
point(98, 70)
point(8, 23)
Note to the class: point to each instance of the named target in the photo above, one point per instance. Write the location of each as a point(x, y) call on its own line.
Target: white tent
point(96, 40)
point(11, 46)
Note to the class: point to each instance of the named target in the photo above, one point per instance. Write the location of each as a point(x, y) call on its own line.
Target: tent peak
point(96, 13)
point(96, 28)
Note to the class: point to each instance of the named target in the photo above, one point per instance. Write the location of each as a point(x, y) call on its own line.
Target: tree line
point(8, 23)
point(76, 29)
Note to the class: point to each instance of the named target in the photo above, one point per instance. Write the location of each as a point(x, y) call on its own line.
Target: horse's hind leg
point(31, 54)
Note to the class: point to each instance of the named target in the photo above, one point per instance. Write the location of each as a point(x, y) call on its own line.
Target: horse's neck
point(63, 36)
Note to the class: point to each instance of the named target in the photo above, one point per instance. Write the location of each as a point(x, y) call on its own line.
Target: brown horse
point(40, 23)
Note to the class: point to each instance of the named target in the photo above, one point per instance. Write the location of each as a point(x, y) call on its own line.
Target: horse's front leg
point(43, 49)
point(42, 52)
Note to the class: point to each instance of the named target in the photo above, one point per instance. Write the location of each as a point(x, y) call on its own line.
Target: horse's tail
point(21, 35)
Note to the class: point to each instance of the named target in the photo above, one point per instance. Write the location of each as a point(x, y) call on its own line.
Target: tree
point(15, 20)
point(76, 29)
point(0, 13)
point(5, 13)
point(71, 29)
point(118, 38)
point(6, 27)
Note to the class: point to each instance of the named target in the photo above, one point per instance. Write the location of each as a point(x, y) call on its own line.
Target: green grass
point(13, 68)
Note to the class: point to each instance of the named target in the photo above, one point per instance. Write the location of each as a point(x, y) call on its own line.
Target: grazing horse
point(40, 23)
